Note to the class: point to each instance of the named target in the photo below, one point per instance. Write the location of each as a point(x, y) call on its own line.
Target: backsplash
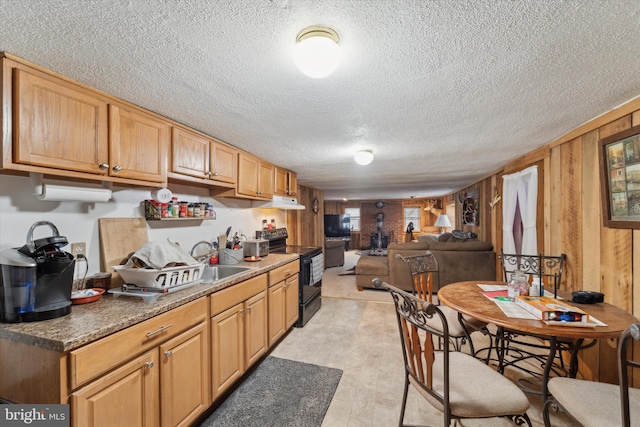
point(78, 221)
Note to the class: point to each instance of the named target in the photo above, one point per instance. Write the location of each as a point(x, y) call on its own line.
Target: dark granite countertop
point(92, 321)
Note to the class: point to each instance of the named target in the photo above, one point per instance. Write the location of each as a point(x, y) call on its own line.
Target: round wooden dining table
point(467, 298)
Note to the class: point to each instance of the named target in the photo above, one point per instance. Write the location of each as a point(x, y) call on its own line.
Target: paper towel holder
point(51, 192)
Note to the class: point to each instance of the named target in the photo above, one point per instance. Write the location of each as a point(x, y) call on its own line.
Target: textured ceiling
point(442, 91)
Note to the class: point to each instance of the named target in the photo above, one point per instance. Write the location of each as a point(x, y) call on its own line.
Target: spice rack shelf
point(154, 213)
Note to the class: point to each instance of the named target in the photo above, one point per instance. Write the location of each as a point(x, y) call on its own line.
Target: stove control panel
point(276, 234)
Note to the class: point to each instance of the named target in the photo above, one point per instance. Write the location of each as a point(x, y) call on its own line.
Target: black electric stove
point(311, 269)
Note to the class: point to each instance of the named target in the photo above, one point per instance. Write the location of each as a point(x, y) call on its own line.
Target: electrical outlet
point(79, 249)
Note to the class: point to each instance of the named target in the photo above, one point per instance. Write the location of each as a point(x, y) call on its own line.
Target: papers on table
point(514, 311)
point(492, 288)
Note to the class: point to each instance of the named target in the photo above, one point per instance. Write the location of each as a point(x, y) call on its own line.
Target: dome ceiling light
point(317, 53)
point(363, 157)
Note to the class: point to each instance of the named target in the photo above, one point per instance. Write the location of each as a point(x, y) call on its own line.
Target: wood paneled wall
point(306, 227)
point(570, 221)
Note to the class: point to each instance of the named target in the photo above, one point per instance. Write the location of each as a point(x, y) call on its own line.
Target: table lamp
point(442, 221)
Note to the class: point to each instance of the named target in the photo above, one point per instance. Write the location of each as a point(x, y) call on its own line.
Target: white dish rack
point(160, 279)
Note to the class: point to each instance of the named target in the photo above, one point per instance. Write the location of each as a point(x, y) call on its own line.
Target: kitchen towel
point(317, 268)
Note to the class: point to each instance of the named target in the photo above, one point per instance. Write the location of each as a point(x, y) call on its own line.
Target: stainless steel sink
point(220, 272)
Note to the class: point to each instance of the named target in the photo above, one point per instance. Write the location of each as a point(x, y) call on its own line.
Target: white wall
point(78, 221)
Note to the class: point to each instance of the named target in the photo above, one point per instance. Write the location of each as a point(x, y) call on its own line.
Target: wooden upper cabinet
point(280, 186)
point(57, 125)
point(255, 177)
point(223, 162)
point(138, 145)
point(292, 183)
point(265, 181)
point(190, 153)
point(247, 175)
point(286, 182)
point(201, 157)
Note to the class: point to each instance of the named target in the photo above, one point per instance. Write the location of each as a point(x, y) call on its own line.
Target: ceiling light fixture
point(317, 53)
point(363, 157)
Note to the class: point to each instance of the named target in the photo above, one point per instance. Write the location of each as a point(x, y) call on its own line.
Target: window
point(354, 213)
point(412, 214)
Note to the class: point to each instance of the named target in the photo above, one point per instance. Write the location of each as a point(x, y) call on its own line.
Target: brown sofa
point(458, 260)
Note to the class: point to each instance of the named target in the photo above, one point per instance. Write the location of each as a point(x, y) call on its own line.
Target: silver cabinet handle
point(157, 331)
point(149, 364)
point(104, 166)
point(215, 174)
point(117, 168)
point(168, 353)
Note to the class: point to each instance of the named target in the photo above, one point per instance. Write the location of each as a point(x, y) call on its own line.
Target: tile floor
point(357, 332)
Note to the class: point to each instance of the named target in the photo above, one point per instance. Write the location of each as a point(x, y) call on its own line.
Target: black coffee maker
point(36, 279)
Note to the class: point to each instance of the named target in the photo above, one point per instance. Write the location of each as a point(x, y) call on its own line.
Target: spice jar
point(184, 206)
point(102, 280)
point(174, 207)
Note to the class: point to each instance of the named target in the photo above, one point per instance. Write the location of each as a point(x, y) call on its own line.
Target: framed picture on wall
point(619, 156)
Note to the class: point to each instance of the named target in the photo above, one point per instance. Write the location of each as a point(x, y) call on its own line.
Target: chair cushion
point(592, 403)
point(455, 328)
point(475, 389)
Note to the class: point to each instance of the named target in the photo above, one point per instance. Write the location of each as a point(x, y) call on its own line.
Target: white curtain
point(521, 189)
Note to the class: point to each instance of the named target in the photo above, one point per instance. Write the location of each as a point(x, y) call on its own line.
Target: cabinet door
point(256, 328)
point(227, 348)
point(224, 160)
point(128, 396)
point(184, 377)
point(58, 126)
point(276, 312)
point(248, 175)
point(292, 184)
point(137, 145)
point(291, 301)
point(280, 185)
point(190, 153)
point(265, 181)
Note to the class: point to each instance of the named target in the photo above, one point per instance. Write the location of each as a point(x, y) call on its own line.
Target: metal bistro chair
point(457, 384)
point(422, 268)
point(596, 404)
point(512, 350)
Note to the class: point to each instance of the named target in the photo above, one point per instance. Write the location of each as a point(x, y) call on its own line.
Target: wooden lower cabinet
point(128, 396)
point(184, 377)
point(283, 307)
point(227, 345)
point(256, 342)
point(166, 385)
point(238, 331)
point(283, 299)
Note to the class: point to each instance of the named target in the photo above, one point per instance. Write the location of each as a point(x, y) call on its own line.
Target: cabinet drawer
point(93, 359)
point(227, 298)
point(279, 274)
